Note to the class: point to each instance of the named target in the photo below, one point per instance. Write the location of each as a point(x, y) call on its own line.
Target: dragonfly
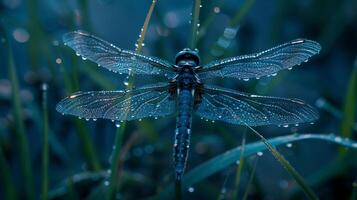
point(185, 92)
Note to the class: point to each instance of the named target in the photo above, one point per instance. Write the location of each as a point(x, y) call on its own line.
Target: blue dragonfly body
point(185, 93)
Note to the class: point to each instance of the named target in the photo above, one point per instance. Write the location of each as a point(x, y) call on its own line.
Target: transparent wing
point(113, 58)
point(265, 63)
point(253, 110)
point(150, 101)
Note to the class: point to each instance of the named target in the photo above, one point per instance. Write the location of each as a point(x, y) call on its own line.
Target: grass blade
point(45, 153)
point(114, 182)
point(348, 117)
point(210, 167)
point(219, 48)
point(239, 168)
point(289, 168)
point(6, 180)
point(81, 129)
point(20, 133)
point(250, 181)
point(195, 23)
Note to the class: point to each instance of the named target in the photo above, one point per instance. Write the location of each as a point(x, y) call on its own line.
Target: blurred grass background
point(31, 53)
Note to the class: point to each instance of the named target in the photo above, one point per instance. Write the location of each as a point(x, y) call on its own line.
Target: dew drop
point(286, 126)
point(106, 183)
point(259, 153)
point(21, 35)
point(245, 79)
point(58, 60)
point(274, 74)
point(94, 119)
point(87, 119)
point(338, 139)
point(155, 118)
point(191, 189)
point(77, 54)
point(237, 162)
point(290, 68)
point(84, 58)
point(117, 124)
point(126, 82)
point(289, 145)
point(44, 86)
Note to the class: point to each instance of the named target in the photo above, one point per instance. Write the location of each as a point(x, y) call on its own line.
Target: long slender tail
point(183, 131)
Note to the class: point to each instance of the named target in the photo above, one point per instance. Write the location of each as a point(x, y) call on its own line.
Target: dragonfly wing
point(150, 101)
point(244, 109)
point(115, 59)
point(265, 63)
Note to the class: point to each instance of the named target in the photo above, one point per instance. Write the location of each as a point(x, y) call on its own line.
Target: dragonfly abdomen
point(183, 131)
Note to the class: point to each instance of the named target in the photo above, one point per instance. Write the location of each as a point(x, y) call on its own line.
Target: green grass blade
point(195, 23)
point(232, 29)
point(81, 128)
point(114, 182)
point(288, 167)
point(45, 152)
point(20, 133)
point(6, 180)
point(348, 117)
point(239, 169)
point(87, 145)
point(210, 167)
point(250, 181)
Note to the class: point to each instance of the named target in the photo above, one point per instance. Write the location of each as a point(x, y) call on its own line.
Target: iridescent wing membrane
point(216, 103)
point(246, 109)
point(239, 108)
point(115, 59)
point(265, 63)
point(149, 101)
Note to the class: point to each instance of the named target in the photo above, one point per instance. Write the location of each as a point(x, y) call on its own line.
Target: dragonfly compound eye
point(187, 54)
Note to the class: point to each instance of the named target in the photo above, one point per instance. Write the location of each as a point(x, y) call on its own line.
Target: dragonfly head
point(187, 57)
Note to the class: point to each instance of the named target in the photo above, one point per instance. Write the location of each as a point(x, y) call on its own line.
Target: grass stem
point(45, 152)
point(287, 166)
point(239, 168)
point(20, 133)
point(114, 176)
point(195, 23)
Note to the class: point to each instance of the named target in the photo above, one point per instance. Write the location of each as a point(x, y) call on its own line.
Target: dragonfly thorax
point(188, 58)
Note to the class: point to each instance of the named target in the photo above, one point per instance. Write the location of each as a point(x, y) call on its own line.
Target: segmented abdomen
point(183, 131)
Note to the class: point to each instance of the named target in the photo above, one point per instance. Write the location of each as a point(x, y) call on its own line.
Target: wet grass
point(19, 128)
point(45, 154)
point(114, 175)
point(122, 171)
